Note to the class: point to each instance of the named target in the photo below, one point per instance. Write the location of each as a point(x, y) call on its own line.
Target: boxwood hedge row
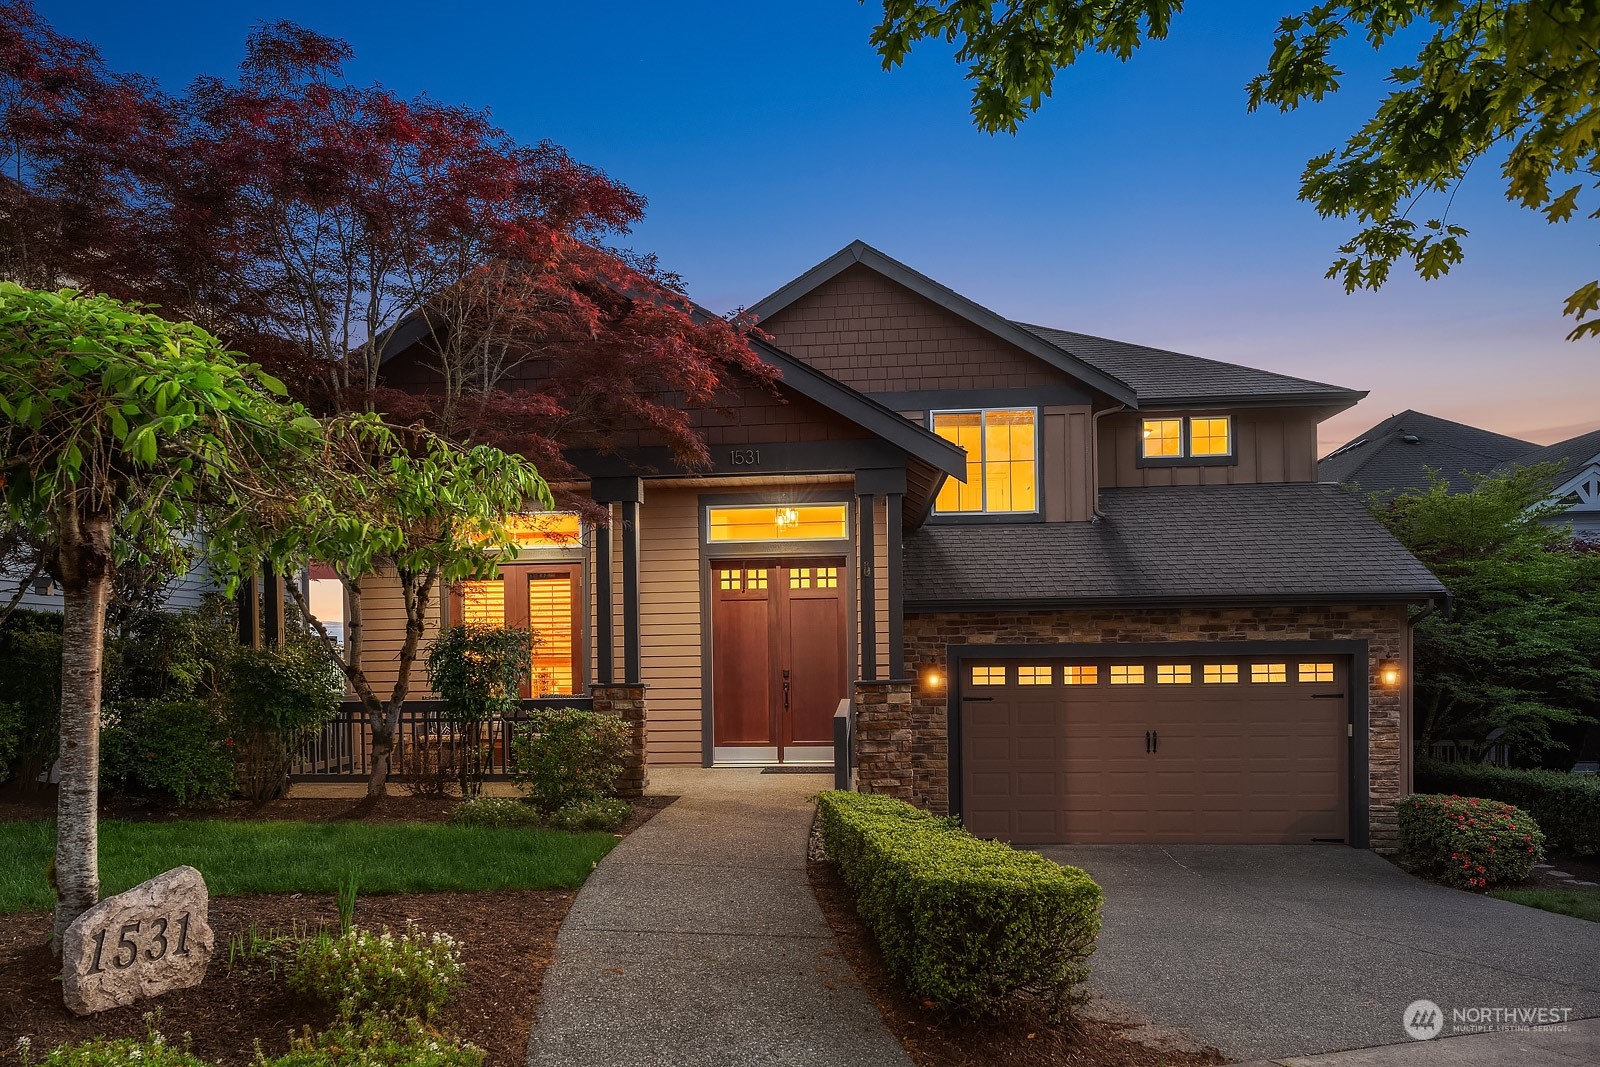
point(972, 925)
point(1566, 806)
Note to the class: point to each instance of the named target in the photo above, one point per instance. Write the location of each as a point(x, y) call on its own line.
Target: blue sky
point(1143, 203)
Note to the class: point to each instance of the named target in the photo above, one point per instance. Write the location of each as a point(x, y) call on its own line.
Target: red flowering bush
point(1467, 842)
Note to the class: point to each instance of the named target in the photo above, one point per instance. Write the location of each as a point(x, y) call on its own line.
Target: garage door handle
point(977, 700)
point(1327, 696)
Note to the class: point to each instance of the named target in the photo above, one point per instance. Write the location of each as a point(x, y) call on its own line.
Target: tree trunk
point(417, 592)
point(85, 570)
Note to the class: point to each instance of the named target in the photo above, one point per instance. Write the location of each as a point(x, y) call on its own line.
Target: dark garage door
point(1226, 750)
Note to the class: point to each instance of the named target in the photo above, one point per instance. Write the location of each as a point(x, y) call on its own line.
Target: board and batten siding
point(1271, 446)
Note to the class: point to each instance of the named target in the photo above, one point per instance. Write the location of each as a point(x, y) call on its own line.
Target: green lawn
point(294, 857)
point(1584, 904)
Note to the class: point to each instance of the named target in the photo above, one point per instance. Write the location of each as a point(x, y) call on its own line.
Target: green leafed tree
point(1511, 84)
point(124, 436)
point(414, 508)
point(1516, 657)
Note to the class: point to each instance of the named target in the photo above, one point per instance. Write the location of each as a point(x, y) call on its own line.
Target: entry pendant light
point(787, 517)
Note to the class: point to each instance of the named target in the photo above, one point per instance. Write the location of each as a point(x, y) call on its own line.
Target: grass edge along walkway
point(1578, 903)
point(272, 856)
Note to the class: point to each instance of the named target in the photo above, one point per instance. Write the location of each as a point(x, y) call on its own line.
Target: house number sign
point(745, 457)
point(142, 943)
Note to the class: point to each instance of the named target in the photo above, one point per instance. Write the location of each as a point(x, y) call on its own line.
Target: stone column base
point(628, 702)
point(883, 739)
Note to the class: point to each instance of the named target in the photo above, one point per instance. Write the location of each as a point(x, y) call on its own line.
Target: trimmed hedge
point(1467, 842)
point(1566, 806)
point(972, 925)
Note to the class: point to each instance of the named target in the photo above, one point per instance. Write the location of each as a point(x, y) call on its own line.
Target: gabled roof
point(952, 301)
point(912, 438)
point(1161, 377)
point(1277, 543)
point(1573, 453)
point(1397, 454)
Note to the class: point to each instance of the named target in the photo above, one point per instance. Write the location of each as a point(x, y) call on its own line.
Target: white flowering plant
point(410, 975)
point(377, 1041)
point(152, 1050)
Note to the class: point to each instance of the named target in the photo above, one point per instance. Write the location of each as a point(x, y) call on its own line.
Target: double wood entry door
point(778, 658)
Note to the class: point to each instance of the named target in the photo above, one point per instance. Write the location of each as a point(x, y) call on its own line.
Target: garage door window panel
point(1127, 674)
point(1269, 673)
point(988, 676)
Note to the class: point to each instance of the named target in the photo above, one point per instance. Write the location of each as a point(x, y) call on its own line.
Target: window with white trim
point(1002, 447)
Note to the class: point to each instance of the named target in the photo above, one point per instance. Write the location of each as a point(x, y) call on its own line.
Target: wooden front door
point(778, 655)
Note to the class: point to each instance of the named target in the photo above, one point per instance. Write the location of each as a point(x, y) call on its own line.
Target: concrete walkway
point(698, 942)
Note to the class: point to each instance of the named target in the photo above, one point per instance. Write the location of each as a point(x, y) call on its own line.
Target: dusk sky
point(1143, 203)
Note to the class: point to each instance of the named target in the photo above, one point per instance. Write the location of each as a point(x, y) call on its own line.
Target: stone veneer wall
point(628, 702)
point(921, 775)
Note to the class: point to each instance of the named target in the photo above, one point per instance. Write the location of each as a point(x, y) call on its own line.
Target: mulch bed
point(507, 940)
point(935, 1039)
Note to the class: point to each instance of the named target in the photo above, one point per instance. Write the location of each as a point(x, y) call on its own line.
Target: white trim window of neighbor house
point(1002, 446)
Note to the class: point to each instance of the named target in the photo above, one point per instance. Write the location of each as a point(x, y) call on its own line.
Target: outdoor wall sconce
point(932, 680)
point(1389, 673)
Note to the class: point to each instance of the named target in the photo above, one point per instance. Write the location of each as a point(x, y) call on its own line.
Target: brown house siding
point(878, 336)
point(1272, 446)
point(1384, 627)
point(383, 618)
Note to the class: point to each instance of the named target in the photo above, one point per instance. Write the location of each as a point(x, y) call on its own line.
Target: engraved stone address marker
point(137, 944)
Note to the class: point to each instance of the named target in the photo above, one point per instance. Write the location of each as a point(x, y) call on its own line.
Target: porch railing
point(426, 743)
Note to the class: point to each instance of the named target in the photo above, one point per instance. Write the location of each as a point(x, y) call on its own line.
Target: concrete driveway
point(1268, 951)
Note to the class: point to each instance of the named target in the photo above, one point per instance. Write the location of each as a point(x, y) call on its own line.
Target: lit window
point(1316, 672)
point(1036, 676)
point(483, 603)
point(1211, 437)
point(1163, 438)
point(1132, 674)
point(1172, 674)
point(988, 676)
point(827, 577)
point(798, 522)
point(550, 618)
point(755, 579)
point(731, 580)
point(1220, 673)
point(1269, 672)
point(1080, 675)
point(552, 528)
point(800, 578)
point(1002, 461)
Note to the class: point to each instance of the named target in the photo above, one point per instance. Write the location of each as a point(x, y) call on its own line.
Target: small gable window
point(1208, 438)
point(1002, 461)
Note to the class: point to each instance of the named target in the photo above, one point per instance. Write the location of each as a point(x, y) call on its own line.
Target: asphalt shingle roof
point(1386, 460)
point(1573, 453)
point(1161, 377)
point(1173, 544)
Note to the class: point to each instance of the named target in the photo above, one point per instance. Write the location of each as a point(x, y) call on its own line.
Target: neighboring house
point(1404, 452)
point(1577, 483)
point(44, 595)
point(1075, 589)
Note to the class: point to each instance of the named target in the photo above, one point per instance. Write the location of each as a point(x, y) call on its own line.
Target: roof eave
point(864, 254)
point(1386, 596)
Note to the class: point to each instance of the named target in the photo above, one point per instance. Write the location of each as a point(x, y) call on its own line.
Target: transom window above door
point(1002, 447)
point(1174, 439)
point(778, 522)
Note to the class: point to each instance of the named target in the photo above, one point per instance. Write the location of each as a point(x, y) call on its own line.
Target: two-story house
point(1072, 589)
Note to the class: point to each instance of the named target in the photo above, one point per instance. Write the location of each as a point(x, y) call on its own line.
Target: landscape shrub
point(494, 812)
point(563, 756)
point(10, 736)
point(152, 1050)
point(181, 748)
point(1467, 842)
point(274, 698)
point(606, 814)
point(377, 1042)
point(30, 680)
point(407, 976)
point(477, 671)
point(1566, 806)
point(971, 925)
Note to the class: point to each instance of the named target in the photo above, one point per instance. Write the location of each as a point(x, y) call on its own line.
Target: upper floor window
point(1194, 437)
point(1002, 447)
